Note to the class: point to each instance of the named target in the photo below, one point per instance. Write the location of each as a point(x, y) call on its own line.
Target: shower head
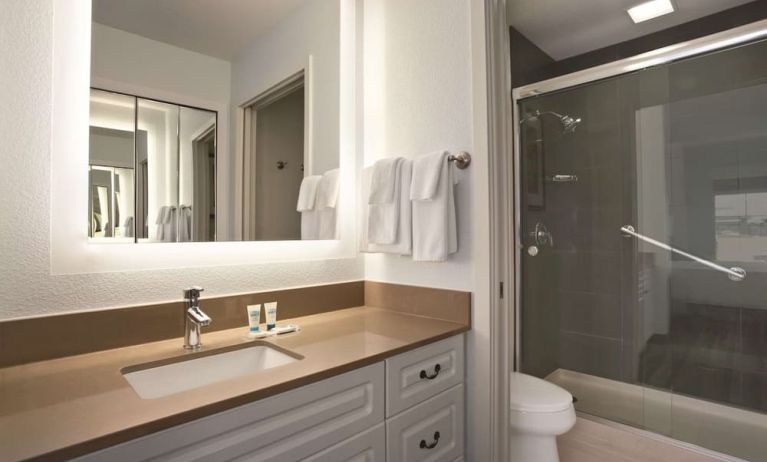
point(569, 124)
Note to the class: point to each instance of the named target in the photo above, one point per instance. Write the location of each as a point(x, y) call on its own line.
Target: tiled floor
point(591, 441)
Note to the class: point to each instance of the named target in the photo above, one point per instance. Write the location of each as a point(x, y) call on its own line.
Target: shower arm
point(735, 273)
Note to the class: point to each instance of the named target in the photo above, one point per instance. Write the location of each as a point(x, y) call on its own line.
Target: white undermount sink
point(155, 380)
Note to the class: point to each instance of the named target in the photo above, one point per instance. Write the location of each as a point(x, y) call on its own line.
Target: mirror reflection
point(199, 137)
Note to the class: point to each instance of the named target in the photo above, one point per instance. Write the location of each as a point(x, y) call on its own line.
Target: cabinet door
point(368, 446)
point(417, 375)
point(286, 427)
point(431, 431)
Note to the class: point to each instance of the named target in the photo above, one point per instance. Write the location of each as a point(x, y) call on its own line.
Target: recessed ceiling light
point(650, 10)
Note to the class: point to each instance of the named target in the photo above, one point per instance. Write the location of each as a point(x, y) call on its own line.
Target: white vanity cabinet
point(425, 403)
point(340, 419)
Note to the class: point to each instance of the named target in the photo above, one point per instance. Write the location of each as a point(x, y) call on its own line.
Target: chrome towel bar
point(735, 273)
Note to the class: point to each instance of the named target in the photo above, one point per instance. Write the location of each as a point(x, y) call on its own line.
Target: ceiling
point(220, 28)
point(564, 28)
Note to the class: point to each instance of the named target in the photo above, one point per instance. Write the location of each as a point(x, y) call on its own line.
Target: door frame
point(501, 202)
point(246, 137)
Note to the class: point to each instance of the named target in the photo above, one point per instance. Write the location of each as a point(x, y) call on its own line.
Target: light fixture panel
point(650, 10)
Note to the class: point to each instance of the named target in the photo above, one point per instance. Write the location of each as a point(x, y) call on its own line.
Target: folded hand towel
point(307, 193)
point(327, 191)
point(427, 170)
point(384, 181)
point(404, 241)
point(434, 222)
point(383, 217)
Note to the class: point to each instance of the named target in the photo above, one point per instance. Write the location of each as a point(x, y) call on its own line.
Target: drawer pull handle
point(425, 445)
point(424, 375)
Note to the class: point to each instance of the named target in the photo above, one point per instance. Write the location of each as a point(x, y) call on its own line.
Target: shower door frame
point(732, 37)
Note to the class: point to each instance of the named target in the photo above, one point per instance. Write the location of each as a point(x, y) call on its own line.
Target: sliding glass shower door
point(643, 205)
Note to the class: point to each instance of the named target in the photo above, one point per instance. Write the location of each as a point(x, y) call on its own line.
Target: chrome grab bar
point(735, 273)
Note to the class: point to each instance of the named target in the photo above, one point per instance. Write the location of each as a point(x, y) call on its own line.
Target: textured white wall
point(26, 285)
point(425, 89)
point(418, 99)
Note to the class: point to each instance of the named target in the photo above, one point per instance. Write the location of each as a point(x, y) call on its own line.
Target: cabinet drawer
point(286, 427)
point(431, 431)
point(368, 446)
point(417, 375)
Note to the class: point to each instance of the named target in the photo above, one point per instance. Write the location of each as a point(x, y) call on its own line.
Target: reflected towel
point(307, 193)
point(185, 224)
point(128, 227)
point(435, 233)
point(327, 199)
point(327, 224)
point(310, 225)
point(327, 191)
point(170, 232)
point(160, 222)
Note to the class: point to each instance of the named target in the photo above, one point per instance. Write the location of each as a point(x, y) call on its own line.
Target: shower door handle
point(735, 273)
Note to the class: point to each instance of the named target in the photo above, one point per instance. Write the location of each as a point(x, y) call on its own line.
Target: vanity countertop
point(61, 408)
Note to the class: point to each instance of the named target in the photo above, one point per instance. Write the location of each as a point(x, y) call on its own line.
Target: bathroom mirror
point(205, 118)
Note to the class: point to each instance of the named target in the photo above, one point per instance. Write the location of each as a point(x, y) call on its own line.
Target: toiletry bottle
point(254, 317)
point(271, 315)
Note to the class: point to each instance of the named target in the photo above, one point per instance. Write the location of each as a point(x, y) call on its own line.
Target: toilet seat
point(531, 394)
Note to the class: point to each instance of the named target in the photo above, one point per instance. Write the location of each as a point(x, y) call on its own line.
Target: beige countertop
point(61, 408)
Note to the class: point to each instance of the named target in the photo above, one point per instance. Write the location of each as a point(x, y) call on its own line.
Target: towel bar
point(462, 159)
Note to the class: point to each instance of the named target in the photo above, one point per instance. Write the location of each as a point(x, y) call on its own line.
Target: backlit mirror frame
point(71, 250)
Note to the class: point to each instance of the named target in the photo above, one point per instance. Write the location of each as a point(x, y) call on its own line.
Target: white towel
point(327, 224)
point(310, 225)
point(383, 183)
point(404, 241)
point(185, 224)
point(427, 170)
point(307, 193)
point(327, 190)
point(435, 233)
point(170, 232)
point(383, 213)
point(160, 222)
point(325, 209)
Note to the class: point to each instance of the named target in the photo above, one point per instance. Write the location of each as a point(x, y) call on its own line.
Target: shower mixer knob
point(542, 236)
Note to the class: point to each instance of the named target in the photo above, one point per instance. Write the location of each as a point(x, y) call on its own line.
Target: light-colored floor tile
point(591, 441)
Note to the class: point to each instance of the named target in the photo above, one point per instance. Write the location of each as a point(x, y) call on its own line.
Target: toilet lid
point(528, 393)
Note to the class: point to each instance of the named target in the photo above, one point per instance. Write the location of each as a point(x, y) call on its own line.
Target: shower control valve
point(542, 236)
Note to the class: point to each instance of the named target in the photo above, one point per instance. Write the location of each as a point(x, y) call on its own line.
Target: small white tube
point(254, 317)
point(271, 315)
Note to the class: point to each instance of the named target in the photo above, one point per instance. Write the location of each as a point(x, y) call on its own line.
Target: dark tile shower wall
point(578, 286)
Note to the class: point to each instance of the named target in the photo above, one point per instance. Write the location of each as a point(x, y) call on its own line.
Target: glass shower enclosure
point(642, 232)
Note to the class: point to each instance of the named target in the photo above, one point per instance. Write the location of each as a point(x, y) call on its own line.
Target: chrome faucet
point(194, 318)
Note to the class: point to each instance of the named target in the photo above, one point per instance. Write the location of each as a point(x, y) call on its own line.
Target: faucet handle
point(192, 294)
point(198, 316)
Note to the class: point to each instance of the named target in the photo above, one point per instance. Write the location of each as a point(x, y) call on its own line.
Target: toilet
point(538, 412)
